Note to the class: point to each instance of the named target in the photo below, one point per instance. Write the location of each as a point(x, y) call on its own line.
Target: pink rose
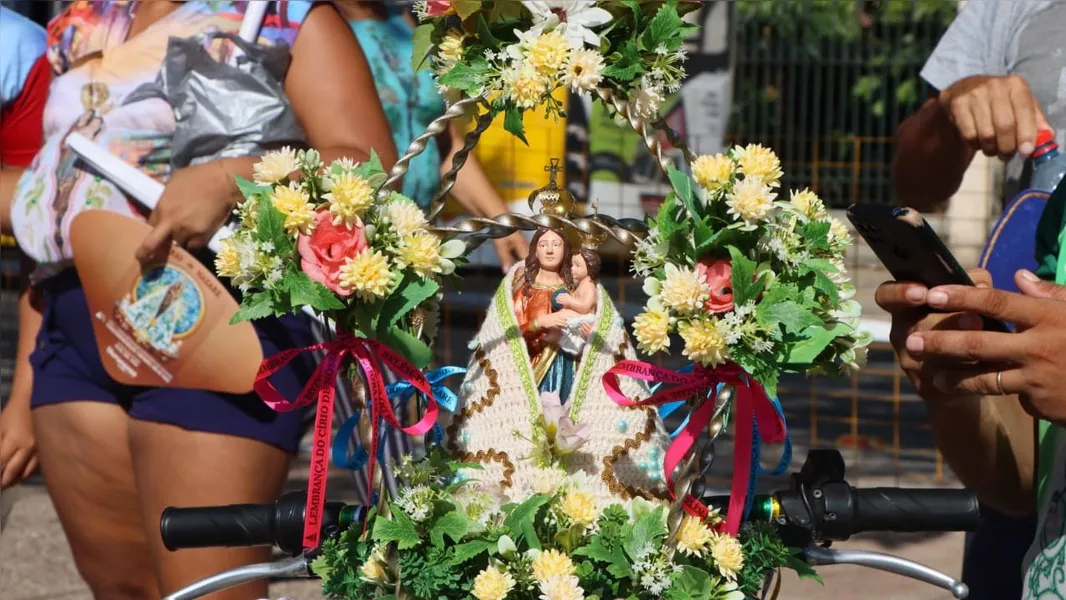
point(322, 254)
point(719, 276)
point(436, 8)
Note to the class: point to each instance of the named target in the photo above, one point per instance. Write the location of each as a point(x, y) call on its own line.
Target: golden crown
point(592, 240)
point(553, 200)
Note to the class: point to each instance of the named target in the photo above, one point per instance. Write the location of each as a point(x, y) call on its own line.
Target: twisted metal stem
point(675, 140)
point(476, 230)
point(447, 181)
point(418, 146)
point(639, 124)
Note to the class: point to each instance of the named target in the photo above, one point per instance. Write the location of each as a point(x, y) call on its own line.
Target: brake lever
point(286, 567)
point(888, 563)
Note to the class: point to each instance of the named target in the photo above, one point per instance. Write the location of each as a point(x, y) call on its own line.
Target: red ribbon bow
point(750, 404)
point(320, 387)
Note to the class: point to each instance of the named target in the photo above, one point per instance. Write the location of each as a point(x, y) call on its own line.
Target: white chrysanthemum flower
point(562, 587)
point(684, 290)
point(574, 18)
point(275, 166)
point(524, 85)
point(751, 201)
point(808, 204)
point(404, 215)
point(584, 71)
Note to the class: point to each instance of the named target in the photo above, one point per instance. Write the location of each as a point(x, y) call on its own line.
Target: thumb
point(156, 243)
point(1031, 285)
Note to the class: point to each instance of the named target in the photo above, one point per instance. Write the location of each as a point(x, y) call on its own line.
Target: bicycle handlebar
point(279, 523)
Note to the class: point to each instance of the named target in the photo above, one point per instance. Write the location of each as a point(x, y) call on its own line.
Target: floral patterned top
point(411, 100)
point(95, 69)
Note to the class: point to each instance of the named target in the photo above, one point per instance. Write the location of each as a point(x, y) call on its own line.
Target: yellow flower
point(368, 275)
point(405, 216)
point(552, 563)
point(703, 342)
point(584, 71)
point(562, 588)
point(579, 507)
point(713, 172)
point(549, 52)
point(492, 584)
point(275, 166)
point(652, 329)
point(228, 260)
point(524, 85)
point(728, 554)
point(808, 203)
point(450, 50)
point(421, 252)
point(751, 201)
point(295, 204)
point(373, 570)
point(349, 196)
point(684, 290)
point(838, 232)
point(760, 162)
point(694, 536)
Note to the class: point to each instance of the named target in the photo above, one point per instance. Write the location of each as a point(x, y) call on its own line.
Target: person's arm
point(18, 449)
point(583, 300)
point(326, 108)
point(930, 158)
point(475, 192)
point(989, 443)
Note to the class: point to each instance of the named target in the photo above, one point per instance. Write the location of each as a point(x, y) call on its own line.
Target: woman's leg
point(85, 459)
point(178, 467)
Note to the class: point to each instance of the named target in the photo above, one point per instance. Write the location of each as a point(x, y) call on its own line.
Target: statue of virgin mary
point(517, 375)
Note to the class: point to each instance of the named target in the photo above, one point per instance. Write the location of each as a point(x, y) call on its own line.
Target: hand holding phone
point(909, 248)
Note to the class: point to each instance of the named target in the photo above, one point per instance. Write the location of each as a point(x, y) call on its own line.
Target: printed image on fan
point(164, 306)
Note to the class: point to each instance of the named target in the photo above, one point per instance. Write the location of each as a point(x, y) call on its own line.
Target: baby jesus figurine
point(578, 307)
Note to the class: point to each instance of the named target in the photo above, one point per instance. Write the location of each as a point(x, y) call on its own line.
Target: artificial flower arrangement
point(322, 239)
point(516, 54)
point(449, 537)
point(745, 277)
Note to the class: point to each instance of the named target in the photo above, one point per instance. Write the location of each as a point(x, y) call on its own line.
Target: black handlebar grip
point(915, 510)
point(215, 526)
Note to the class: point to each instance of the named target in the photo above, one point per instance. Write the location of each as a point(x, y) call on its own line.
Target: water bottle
point(1049, 165)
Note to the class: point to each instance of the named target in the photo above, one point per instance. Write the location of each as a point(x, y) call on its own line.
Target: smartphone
point(909, 248)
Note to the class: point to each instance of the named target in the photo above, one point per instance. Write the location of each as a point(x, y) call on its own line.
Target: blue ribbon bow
point(756, 447)
point(398, 393)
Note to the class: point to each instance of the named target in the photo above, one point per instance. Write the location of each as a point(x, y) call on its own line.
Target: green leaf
point(453, 525)
point(816, 340)
point(400, 529)
point(270, 227)
point(250, 189)
point(664, 220)
point(692, 583)
point(515, 124)
point(370, 167)
point(804, 570)
point(412, 291)
point(470, 550)
point(648, 529)
point(466, 8)
point(320, 567)
point(530, 535)
point(422, 43)
point(302, 291)
point(765, 372)
point(791, 315)
point(254, 306)
point(412, 348)
point(682, 185)
point(626, 64)
point(466, 76)
point(615, 558)
point(523, 513)
point(484, 35)
point(825, 285)
point(664, 27)
point(745, 287)
point(816, 235)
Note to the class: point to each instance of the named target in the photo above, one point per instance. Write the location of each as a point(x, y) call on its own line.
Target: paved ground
point(35, 563)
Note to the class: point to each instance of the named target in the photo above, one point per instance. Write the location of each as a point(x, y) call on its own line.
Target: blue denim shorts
point(67, 367)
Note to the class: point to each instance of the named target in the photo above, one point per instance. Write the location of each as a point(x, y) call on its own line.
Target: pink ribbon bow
point(750, 404)
point(320, 387)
